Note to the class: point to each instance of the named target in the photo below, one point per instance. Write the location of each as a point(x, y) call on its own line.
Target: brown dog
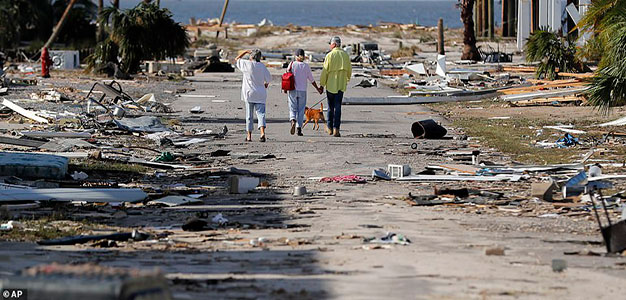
point(314, 114)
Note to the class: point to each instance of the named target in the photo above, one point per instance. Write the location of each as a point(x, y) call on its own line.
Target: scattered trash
point(559, 265)
point(299, 191)
point(497, 251)
point(73, 194)
point(219, 219)
point(428, 129)
point(344, 179)
point(164, 157)
point(175, 201)
point(398, 171)
point(141, 124)
point(196, 110)
point(366, 83)
point(8, 226)
point(195, 224)
point(543, 190)
point(567, 141)
point(380, 174)
point(87, 281)
point(389, 238)
point(242, 184)
point(82, 239)
point(79, 175)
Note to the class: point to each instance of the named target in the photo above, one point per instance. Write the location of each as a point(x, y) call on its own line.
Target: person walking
point(256, 79)
point(336, 73)
point(297, 98)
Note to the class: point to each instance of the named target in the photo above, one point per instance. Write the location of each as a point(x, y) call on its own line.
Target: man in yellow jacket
point(335, 76)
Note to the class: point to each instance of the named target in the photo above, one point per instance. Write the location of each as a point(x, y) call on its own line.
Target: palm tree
point(143, 32)
point(469, 36)
point(552, 52)
point(607, 21)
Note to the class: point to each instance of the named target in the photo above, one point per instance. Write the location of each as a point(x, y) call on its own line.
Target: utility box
point(398, 171)
point(65, 59)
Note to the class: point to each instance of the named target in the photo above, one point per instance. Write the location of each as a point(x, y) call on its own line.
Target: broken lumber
point(24, 112)
point(520, 90)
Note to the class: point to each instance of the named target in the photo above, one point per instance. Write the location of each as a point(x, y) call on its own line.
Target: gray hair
point(256, 54)
point(335, 40)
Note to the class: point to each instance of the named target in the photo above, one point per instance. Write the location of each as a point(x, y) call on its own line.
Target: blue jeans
point(259, 108)
point(334, 109)
point(297, 103)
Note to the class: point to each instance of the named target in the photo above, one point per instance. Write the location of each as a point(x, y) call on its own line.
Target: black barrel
point(428, 129)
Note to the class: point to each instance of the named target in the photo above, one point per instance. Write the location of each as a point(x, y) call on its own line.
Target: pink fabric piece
point(345, 178)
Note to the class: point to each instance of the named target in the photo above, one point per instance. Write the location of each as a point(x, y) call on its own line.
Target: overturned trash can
point(428, 129)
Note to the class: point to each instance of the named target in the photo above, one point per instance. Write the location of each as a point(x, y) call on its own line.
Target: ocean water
point(318, 12)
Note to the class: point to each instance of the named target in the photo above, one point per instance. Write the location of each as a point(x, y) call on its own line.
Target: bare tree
point(469, 36)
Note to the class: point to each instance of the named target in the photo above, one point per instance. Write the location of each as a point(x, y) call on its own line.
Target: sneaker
point(336, 133)
point(293, 127)
point(300, 132)
point(329, 131)
point(262, 139)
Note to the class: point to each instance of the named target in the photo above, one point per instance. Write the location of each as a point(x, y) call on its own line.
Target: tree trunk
point(100, 32)
point(469, 36)
point(57, 29)
point(116, 3)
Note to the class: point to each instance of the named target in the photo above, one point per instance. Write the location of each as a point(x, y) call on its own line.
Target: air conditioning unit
point(65, 59)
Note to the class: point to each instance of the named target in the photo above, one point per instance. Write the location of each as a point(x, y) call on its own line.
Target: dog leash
point(318, 102)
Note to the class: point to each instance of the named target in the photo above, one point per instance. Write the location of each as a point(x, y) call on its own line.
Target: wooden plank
point(519, 69)
point(576, 75)
point(573, 83)
point(21, 142)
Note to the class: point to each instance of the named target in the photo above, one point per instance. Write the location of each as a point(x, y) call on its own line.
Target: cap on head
point(335, 40)
point(300, 52)
point(256, 54)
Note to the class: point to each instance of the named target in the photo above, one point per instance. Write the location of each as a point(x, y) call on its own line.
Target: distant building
point(521, 17)
point(555, 15)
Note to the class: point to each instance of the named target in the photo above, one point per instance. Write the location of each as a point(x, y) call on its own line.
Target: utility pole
point(440, 48)
point(222, 17)
point(57, 29)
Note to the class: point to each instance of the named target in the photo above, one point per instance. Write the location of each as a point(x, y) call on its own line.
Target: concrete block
point(33, 165)
point(543, 190)
point(242, 184)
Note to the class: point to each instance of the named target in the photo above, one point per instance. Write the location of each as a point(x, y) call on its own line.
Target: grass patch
point(43, 229)
point(516, 138)
point(94, 166)
point(406, 52)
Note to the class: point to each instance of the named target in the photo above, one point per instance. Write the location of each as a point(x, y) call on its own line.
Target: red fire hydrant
point(46, 62)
